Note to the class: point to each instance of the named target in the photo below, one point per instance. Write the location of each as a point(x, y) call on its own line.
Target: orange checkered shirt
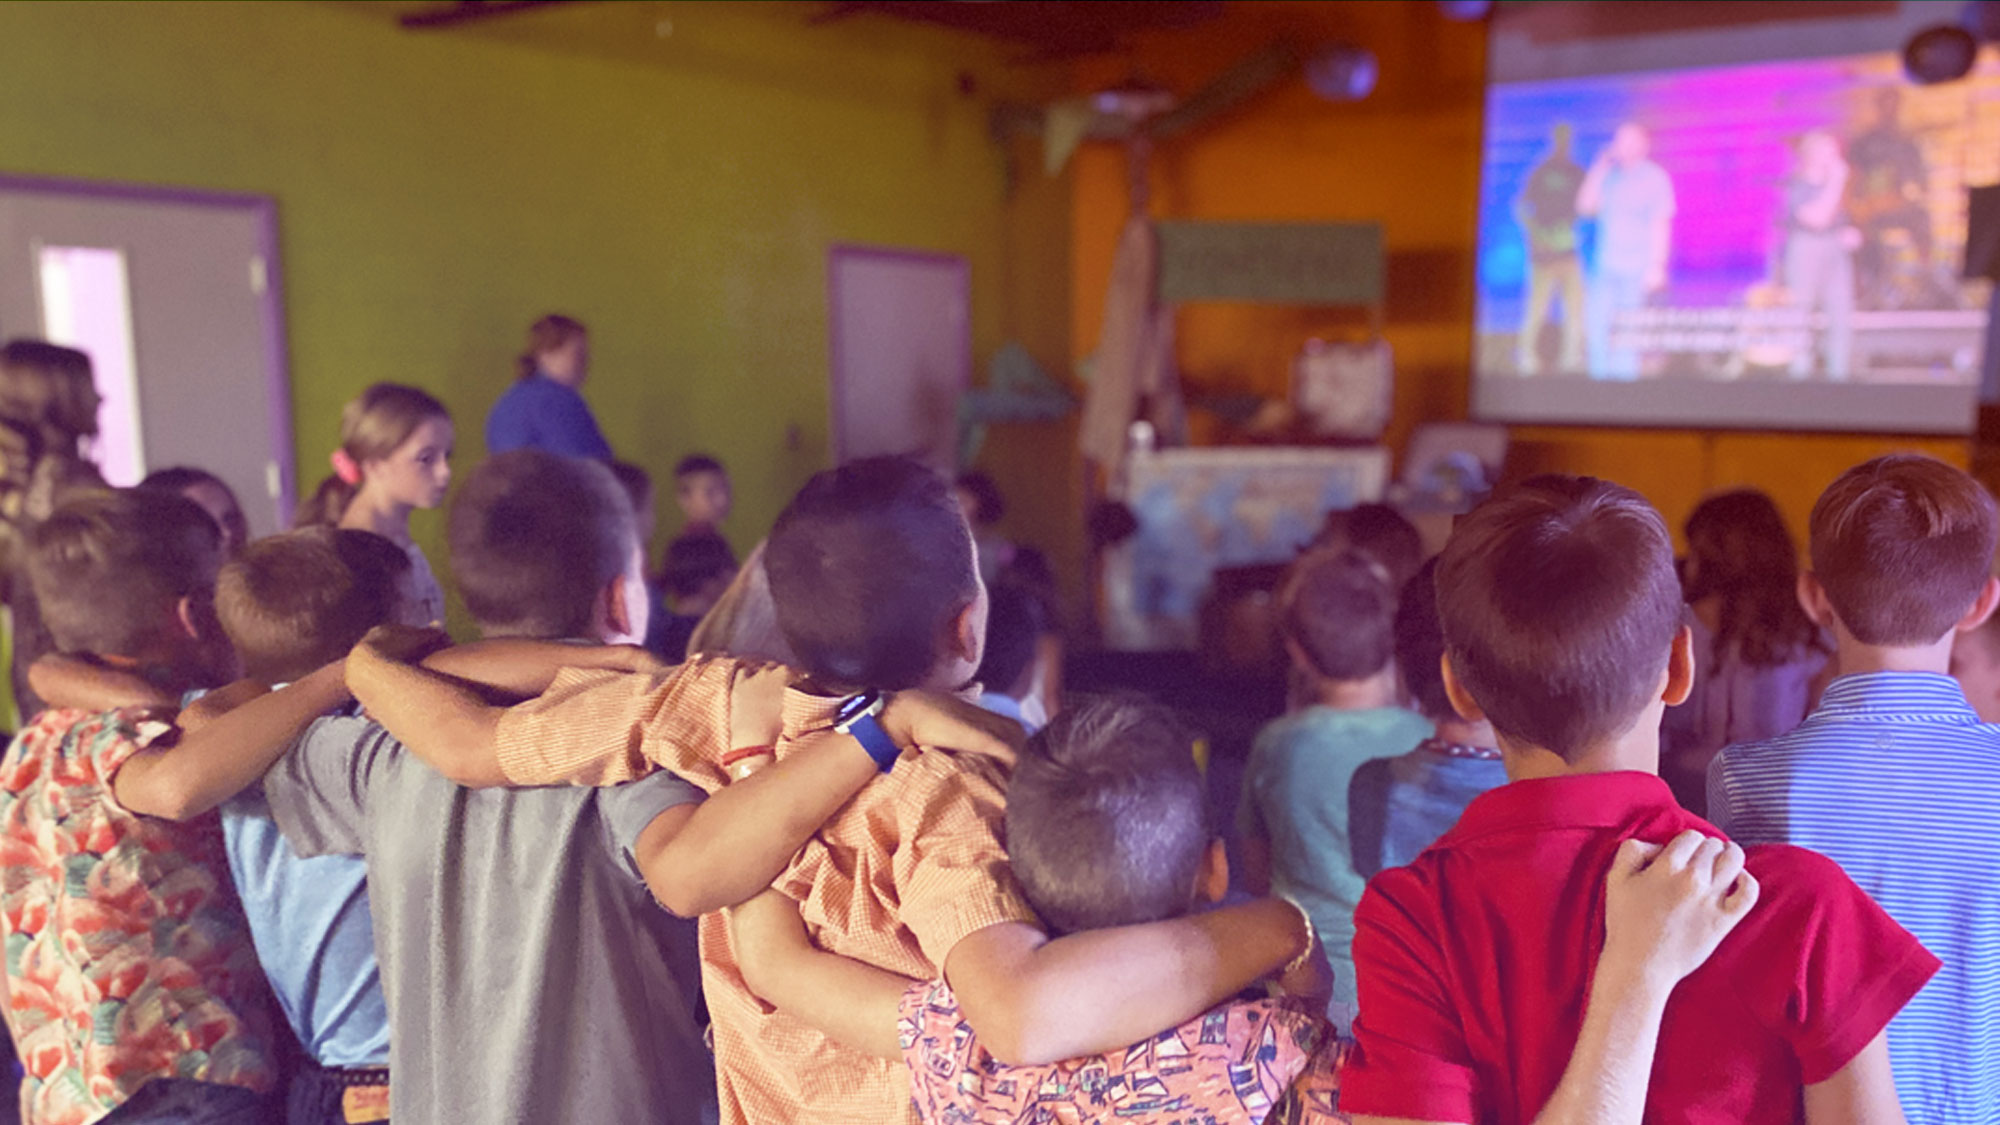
point(897, 878)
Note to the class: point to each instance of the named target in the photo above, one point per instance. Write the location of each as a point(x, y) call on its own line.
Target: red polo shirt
point(1473, 963)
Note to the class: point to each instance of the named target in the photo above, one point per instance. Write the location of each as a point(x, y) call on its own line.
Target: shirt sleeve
point(630, 808)
point(318, 792)
point(951, 865)
point(596, 727)
point(1721, 804)
point(1249, 814)
point(1409, 1057)
point(1854, 967)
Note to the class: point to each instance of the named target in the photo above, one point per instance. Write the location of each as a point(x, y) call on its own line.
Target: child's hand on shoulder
point(930, 719)
point(403, 644)
point(1666, 909)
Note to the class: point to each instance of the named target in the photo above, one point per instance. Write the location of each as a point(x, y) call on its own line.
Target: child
point(48, 409)
point(701, 487)
point(699, 568)
point(131, 976)
point(1758, 660)
point(1397, 806)
point(1379, 531)
point(1010, 670)
point(394, 457)
point(1893, 776)
point(874, 582)
point(215, 497)
point(1108, 825)
point(1562, 623)
point(1337, 613)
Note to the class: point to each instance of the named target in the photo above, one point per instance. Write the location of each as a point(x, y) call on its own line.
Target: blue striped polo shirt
point(1894, 777)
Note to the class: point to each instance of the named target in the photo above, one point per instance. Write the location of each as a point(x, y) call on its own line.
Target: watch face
point(855, 707)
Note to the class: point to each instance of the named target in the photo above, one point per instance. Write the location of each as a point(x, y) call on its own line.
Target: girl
point(394, 456)
point(1759, 660)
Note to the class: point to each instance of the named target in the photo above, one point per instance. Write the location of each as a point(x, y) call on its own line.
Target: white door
point(174, 296)
point(900, 323)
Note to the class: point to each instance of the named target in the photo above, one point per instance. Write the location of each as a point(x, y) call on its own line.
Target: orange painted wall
point(1407, 157)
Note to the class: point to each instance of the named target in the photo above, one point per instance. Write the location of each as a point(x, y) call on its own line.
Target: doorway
point(900, 328)
point(175, 296)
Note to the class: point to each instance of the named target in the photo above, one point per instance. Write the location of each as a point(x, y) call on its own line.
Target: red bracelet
point(747, 753)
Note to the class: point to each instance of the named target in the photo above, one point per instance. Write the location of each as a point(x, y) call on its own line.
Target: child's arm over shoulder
point(1034, 999)
point(441, 711)
point(745, 834)
point(851, 1003)
point(65, 681)
point(217, 758)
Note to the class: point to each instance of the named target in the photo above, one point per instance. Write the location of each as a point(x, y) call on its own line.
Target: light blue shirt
point(1895, 778)
point(1295, 796)
point(314, 935)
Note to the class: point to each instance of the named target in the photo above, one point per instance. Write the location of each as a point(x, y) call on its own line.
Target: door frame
point(839, 252)
point(277, 358)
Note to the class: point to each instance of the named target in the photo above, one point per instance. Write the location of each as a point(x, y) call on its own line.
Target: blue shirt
point(540, 413)
point(1895, 778)
point(314, 934)
point(1295, 796)
point(1397, 807)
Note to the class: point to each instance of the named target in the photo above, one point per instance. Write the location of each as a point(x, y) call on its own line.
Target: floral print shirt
point(127, 954)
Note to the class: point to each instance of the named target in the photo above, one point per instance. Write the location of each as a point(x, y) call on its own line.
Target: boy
point(1893, 776)
point(1337, 615)
point(698, 569)
point(701, 488)
point(1108, 825)
point(1562, 625)
point(874, 581)
point(1396, 807)
point(133, 986)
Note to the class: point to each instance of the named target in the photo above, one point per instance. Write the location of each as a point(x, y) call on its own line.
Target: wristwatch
point(857, 717)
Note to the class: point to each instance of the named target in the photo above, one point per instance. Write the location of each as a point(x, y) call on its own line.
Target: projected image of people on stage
point(1721, 241)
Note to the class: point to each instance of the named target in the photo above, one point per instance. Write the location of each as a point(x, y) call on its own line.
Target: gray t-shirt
point(529, 973)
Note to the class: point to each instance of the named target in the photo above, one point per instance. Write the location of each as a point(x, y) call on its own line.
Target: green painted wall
point(678, 192)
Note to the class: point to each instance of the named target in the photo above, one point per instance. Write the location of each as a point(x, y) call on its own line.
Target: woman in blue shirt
point(544, 409)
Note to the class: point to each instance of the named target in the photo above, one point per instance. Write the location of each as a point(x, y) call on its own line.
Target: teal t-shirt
point(1295, 796)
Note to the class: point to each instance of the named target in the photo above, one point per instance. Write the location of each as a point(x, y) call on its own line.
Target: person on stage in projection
point(1546, 210)
point(1819, 256)
point(1632, 199)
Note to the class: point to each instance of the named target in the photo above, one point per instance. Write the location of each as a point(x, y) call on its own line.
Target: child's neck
point(1458, 732)
point(1637, 749)
point(1853, 657)
point(1378, 690)
point(372, 511)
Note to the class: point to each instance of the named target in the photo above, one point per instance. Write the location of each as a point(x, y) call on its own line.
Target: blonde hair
point(371, 427)
point(546, 335)
point(744, 620)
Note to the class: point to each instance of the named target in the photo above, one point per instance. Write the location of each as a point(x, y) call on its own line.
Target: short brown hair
point(1559, 605)
point(1420, 645)
point(291, 603)
point(1339, 608)
point(534, 539)
point(1903, 544)
point(1108, 821)
point(108, 566)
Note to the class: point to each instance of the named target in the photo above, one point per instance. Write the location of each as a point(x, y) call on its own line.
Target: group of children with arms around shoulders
point(278, 852)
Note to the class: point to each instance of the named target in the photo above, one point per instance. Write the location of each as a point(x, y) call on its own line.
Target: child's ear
point(1461, 700)
point(1813, 599)
point(1982, 608)
point(968, 632)
point(618, 615)
point(1680, 668)
point(1211, 884)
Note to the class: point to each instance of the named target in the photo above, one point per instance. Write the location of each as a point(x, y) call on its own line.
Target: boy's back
point(1895, 778)
point(1473, 960)
point(128, 958)
point(528, 971)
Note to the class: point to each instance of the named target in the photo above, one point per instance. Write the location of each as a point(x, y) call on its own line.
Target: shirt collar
point(1587, 800)
point(1909, 696)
